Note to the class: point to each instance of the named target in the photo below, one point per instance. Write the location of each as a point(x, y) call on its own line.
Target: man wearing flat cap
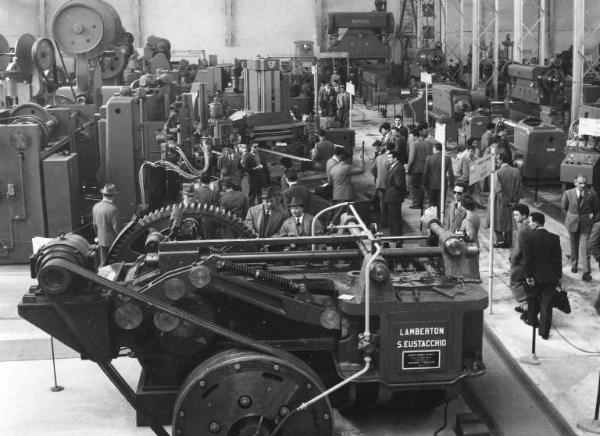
point(300, 223)
point(106, 220)
point(265, 218)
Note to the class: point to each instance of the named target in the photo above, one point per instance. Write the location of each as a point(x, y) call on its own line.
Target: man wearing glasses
point(456, 213)
point(582, 210)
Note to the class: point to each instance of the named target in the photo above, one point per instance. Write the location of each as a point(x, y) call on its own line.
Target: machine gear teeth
point(129, 244)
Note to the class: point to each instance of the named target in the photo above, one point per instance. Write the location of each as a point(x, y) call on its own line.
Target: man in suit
point(417, 154)
point(582, 210)
point(229, 165)
point(265, 218)
point(399, 125)
point(295, 189)
point(509, 190)
point(338, 155)
point(341, 180)
point(381, 169)
point(343, 107)
point(487, 137)
point(233, 201)
point(456, 212)
point(204, 194)
point(395, 191)
point(300, 223)
point(432, 176)
point(322, 152)
point(517, 265)
point(542, 258)
point(253, 167)
point(327, 100)
point(401, 146)
point(386, 134)
point(106, 220)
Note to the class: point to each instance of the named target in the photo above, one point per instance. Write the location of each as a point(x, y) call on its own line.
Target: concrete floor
point(567, 375)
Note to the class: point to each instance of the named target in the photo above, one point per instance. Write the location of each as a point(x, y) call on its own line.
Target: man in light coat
point(456, 212)
point(509, 190)
point(265, 218)
point(300, 223)
point(106, 220)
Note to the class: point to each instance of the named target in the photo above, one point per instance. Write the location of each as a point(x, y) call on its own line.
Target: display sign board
point(589, 126)
point(481, 168)
point(426, 78)
point(440, 132)
point(350, 88)
point(421, 344)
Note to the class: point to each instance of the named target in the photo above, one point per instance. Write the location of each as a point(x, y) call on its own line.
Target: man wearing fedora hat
point(188, 194)
point(106, 220)
point(265, 218)
point(300, 223)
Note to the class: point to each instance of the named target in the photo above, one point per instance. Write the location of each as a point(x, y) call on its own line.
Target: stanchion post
point(532, 359)
point(56, 387)
point(592, 426)
point(537, 179)
point(491, 256)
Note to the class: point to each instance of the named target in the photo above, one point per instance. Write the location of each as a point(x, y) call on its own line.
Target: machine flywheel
point(245, 393)
point(208, 222)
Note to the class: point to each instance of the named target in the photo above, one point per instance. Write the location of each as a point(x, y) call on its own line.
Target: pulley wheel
point(187, 338)
point(86, 27)
point(23, 53)
point(114, 62)
point(4, 57)
point(43, 54)
point(33, 110)
point(245, 393)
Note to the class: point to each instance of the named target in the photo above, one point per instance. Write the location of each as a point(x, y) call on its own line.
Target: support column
point(319, 29)
point(578, 56)
point(517, 34)
point(542, 52)
point(475, 44)
point(228, 23)
point(139, 34)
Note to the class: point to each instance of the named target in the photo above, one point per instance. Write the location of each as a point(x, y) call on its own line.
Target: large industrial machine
point(538, 148)
point(237, 339)
point(536, 91)
point(451, 103)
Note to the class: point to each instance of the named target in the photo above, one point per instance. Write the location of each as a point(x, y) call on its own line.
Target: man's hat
point(109, 189)
point(187, 189)
point(266, 193)
point(296, 201)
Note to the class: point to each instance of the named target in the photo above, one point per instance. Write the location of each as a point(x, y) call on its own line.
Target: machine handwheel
point(245, 393)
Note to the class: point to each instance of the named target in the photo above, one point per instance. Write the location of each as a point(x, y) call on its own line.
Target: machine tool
point(236, 339)
point(582, 156)
point(538, 148)
point(536, 91)
point(451, 103)
point(49, 156)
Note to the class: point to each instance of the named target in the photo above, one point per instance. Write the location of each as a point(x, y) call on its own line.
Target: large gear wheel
point(245, 393)
point(215, 223)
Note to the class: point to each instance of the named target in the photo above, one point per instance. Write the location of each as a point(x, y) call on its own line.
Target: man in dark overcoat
point(395, 191)
point(432, 176)
point(542, 257)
